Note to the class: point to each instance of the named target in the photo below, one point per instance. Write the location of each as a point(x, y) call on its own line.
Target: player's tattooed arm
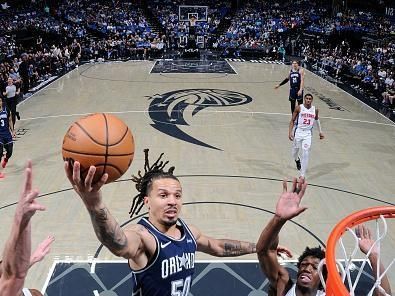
point(233, 248)
point(108, 230)
point(221, 247)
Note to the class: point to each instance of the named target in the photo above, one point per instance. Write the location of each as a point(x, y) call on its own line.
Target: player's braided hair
point(144, 182)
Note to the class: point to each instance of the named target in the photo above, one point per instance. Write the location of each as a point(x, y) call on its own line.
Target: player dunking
point(300, 132)
point(161, 247)
point(296, 83)
point(6, 134)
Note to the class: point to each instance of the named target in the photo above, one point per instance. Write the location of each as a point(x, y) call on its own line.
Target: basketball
point(101, 140)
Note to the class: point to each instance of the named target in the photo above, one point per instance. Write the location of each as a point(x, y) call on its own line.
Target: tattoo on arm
point(238, 248)
point(108, 230)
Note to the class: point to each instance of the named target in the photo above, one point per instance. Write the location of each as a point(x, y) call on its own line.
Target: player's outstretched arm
point(16, 255)
point(317, 120)
point(365, 244)
point(302, 73)
point(106, 227)
point(288, 207)
point(282, 83)
point(221, 247)
point(227, 247)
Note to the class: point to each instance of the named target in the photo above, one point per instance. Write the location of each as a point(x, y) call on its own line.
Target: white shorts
point(302, 139)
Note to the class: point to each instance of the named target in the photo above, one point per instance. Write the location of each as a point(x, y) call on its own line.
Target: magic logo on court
point(168, 110)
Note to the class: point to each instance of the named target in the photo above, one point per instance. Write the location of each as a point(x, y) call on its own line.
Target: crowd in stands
point(354, 20)
point(258, 23)
point(168, 12)
point(122, 32)
point(103, 30)
point(107, 17)
point(370, 70)
point(31, 19)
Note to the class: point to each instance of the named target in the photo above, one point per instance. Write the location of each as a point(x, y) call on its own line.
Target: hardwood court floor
point(227, 137)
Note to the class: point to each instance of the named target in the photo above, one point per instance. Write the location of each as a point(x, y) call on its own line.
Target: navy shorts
point(5, 139)
point(293, 94)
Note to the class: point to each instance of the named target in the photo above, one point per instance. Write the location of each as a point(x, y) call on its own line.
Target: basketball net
point(192, 21)
point(339, 276)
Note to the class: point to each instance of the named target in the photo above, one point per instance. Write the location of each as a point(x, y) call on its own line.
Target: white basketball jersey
point(306, 118)
point(292, 292)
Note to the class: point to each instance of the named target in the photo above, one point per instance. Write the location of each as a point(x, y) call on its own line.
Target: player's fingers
point(101, 182)
point(36, 207)
point(28, 180)
point(294, 185)
point(69, 172)
point(301, 210)
point(76, 173)
point(48, 241)
point(45, 249)
point(368, 233)
point(89, 177)
point(284, 185)
point(285, 250)
point(302, 189)
point(358, 230)
point(32, 195)
point(365, 232)
point(29, 164)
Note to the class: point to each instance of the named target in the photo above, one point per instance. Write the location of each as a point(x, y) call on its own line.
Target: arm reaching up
point(365, 244)
point(16, 255)
point(129, 244)
point(221, 247)
point(288, 207)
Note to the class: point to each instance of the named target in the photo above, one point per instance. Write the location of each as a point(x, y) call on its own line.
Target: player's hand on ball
point(322, 136)
point(88, 191)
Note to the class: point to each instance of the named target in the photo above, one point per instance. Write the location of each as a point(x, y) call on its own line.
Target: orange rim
point(334, 284)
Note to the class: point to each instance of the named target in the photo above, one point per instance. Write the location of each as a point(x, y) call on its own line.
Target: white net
point(362, 242)
point(186, 11)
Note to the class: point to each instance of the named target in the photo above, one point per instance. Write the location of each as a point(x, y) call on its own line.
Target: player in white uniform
point(307, 281)
point(300, 132)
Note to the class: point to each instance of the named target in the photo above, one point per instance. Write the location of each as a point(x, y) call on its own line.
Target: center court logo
point(167, 110)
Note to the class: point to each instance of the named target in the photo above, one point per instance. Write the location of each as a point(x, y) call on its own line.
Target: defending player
point(307, 279)
point(161, 247)
point(300, 132)
point(6, 134)
point(296, 83)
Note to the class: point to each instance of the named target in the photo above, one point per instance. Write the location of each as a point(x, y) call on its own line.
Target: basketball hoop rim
point(335, 284)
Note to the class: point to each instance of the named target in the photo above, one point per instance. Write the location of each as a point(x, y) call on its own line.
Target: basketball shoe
point(298, 165)
point(4, 163)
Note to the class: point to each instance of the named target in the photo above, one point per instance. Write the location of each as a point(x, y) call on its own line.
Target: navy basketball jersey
point(4, 123)
point(170, 270)
point(295, 79)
